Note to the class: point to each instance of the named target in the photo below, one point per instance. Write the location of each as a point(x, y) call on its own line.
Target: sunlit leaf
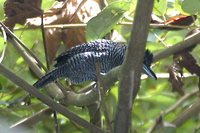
point(160, 7)
point(100, 25)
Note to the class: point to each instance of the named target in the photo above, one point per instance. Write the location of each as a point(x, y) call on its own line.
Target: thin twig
point(56, 124)
point(31, 62)
point(44, 42)
point(160, 39)
point(102, 97)
point(13, 36)
point(80, 25)
point(95, 115)
point(186, 114)
point(5, 43)
point(32, 120)
point(47, 56)
point(180, 101)
point(29, 58)
point(158, 122)
point(58, 26)
point(171, 108)
point(99, 81)
point(188, 42)
point(199, 85)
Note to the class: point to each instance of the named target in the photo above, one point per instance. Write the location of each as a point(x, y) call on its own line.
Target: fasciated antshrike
point(78, 63)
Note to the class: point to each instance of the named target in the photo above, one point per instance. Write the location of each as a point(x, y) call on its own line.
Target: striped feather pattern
point(78, 63)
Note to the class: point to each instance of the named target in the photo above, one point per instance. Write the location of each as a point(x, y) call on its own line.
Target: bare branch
point(18, 43)
point(132, 65)
point(181, 100)
point(170, 109)
point(188, 113)
point(48, 101)
point(44, 41)
point(80, 25)
point(32, 120)
point(187, 42)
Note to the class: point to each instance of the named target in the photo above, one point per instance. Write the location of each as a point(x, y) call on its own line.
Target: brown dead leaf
point(17, 11)
point(181, 20)
point(68, 12)
point(183, 59)
point(187, 61)
point(53, 39)
point(175, 77)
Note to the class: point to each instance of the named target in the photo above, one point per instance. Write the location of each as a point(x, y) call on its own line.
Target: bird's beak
point(149, 72)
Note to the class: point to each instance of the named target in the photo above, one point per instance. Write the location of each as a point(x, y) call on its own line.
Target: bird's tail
point(148, 59)
point(47, 78)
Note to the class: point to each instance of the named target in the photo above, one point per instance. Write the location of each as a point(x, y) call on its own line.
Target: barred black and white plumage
point(78, 63)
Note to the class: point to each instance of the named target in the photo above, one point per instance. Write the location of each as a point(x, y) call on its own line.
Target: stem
point(132, 65)
point(188, 42)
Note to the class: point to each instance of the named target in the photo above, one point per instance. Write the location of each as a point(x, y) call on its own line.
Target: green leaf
point(160, 7)
point(177, 5)
point(191, 6)
point(46, 4)
point(2, 9)
point(100, 25)
point(10, 57)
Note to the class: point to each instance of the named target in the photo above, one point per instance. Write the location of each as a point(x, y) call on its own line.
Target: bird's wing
point(100, 45)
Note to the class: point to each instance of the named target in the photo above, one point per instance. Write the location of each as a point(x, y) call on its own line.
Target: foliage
point(191, 6)
point(110, 16)
point(154, 97)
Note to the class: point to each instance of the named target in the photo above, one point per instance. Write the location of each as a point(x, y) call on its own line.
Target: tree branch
point(132, 65)
point(180, 101)
point(188, 113)
point(21, 46)
point(81, 25)
point(187, 42)
point(48, 101)
point(156, 124)
point(32, 120)
point(53, 91)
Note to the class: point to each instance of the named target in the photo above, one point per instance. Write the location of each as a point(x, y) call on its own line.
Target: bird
point(78, 63)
